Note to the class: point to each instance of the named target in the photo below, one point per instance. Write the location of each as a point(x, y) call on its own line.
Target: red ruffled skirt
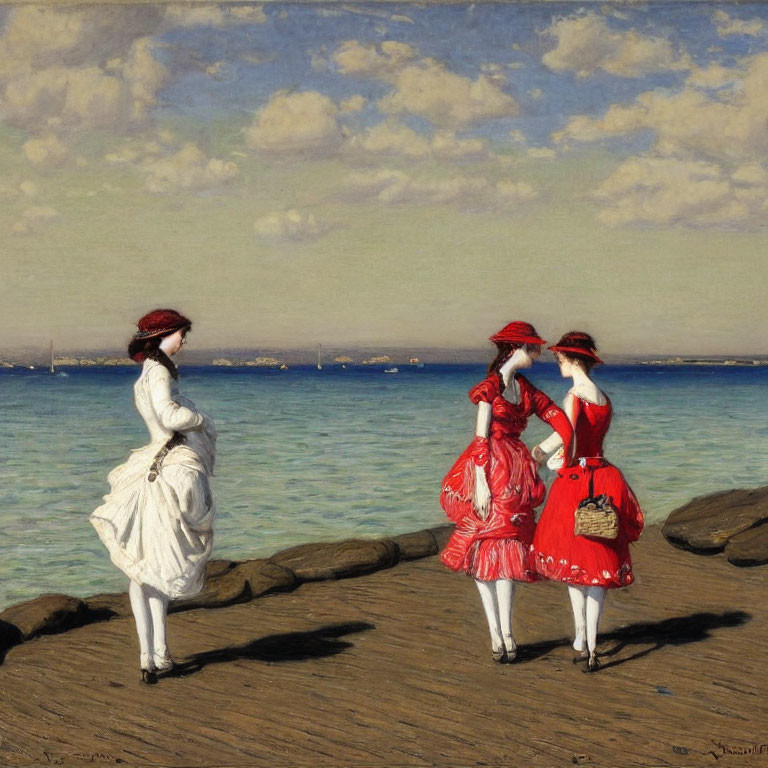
point(560, 555)
point(499, 547)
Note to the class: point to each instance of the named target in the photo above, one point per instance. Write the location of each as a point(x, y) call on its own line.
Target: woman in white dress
point(157, 519)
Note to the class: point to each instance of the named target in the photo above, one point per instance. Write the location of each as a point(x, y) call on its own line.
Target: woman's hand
point(481, 495)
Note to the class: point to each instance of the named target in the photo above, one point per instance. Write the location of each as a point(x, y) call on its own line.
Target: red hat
point(577, 343)
point(160, 322)
point(517, 332)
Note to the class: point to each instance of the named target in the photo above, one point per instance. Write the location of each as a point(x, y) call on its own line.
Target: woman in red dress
point(591, 565)
point(492, 489)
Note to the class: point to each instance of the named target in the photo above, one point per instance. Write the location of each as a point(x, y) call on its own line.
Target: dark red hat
point(577, 343)
point(517, 332)
point(161, 322)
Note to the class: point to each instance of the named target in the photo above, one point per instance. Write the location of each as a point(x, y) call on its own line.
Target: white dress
point(160, 532)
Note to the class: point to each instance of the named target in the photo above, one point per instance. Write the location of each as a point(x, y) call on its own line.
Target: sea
point(321, 455)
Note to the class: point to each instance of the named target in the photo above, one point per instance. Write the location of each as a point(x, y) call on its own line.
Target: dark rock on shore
point(109, 605)
point(706, 524)
point(442, 533)
point(46, 615)
point(264, 577)
point(748, 548)
point(338, 560)
point(227, 582)
point(233, 582)
point(412, 546)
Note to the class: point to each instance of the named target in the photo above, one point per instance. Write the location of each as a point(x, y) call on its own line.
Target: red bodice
point(592, 423)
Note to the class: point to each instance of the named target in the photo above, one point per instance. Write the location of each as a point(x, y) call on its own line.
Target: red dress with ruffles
point(559, 554)
point(499, 547)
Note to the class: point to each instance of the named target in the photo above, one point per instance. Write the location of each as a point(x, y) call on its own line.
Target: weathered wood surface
point(394, 669)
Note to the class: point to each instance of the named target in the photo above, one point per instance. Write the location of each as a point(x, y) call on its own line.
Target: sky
point(386, 174)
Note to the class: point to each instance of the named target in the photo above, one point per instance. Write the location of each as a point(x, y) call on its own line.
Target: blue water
point(307, 455)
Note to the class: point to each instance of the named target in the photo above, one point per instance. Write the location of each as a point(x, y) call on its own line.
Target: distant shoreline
point(374, 362)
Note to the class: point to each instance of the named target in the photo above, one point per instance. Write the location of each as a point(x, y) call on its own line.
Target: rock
point(705, 524)
point(442, 533)
point(109, 605)
point(47, 615)
point(412, 546)
point(749, 547)
point(225, 589)
point(10, 635)
point(215, 568)
point(264, 577)
point(315, 562)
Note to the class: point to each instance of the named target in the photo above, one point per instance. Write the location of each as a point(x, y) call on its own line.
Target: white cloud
point(289, 225)
point(536, 94)
point(383, 60)
point(395, 139)
point(401, 19)
point(730, 25)
point(392, 187)
point(187, 169)
point(713, 76)
point(730, 126)
point(354, 103)
point(669, 191)
point(253, 14)
point(304, 122)
point(542, 153)
point(445, 144)
point(584, 44)
point(192, 15)
point(445, 98)
point(391, 139)
point(33, 218)
point(47, 150)
point(78, 68)
point(706, 166)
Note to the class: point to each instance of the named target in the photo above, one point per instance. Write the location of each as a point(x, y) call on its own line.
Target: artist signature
point(80, 757)
point(721, 750)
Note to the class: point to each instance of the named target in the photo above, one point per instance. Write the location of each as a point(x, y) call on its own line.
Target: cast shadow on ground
point(291, 646)
point(652, 635)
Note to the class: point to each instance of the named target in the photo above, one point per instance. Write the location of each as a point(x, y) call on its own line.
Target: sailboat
point(319, 357)
point(53, 367)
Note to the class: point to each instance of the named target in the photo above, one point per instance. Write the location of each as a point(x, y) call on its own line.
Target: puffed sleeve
point(172, 416)
point(486, 391)
point(548, 412)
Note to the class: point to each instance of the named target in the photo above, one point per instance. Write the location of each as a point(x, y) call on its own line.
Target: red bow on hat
point(517, 332)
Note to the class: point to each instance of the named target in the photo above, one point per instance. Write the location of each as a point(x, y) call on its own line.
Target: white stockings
point(587, 605)
point(497, 597)
point(150, 608)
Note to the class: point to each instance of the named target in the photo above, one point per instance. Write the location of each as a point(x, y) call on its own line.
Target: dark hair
point(578, 340)
point(139, 349)
point(504, 350)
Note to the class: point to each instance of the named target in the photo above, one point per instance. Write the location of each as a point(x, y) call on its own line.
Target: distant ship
point(53, 367)
point(319, 357)
point(415, 361)
point(391, 370)
point(283, 367)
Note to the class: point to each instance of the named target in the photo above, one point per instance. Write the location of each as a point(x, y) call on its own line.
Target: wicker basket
point(596, 518)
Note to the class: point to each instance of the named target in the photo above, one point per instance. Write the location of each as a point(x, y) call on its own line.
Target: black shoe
point(148, 676)
point(500, 656)
point(593, 663)
point(581, 656)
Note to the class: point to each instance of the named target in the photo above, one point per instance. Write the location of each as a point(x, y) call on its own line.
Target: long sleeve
point(548, 412)
point(171, 415)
